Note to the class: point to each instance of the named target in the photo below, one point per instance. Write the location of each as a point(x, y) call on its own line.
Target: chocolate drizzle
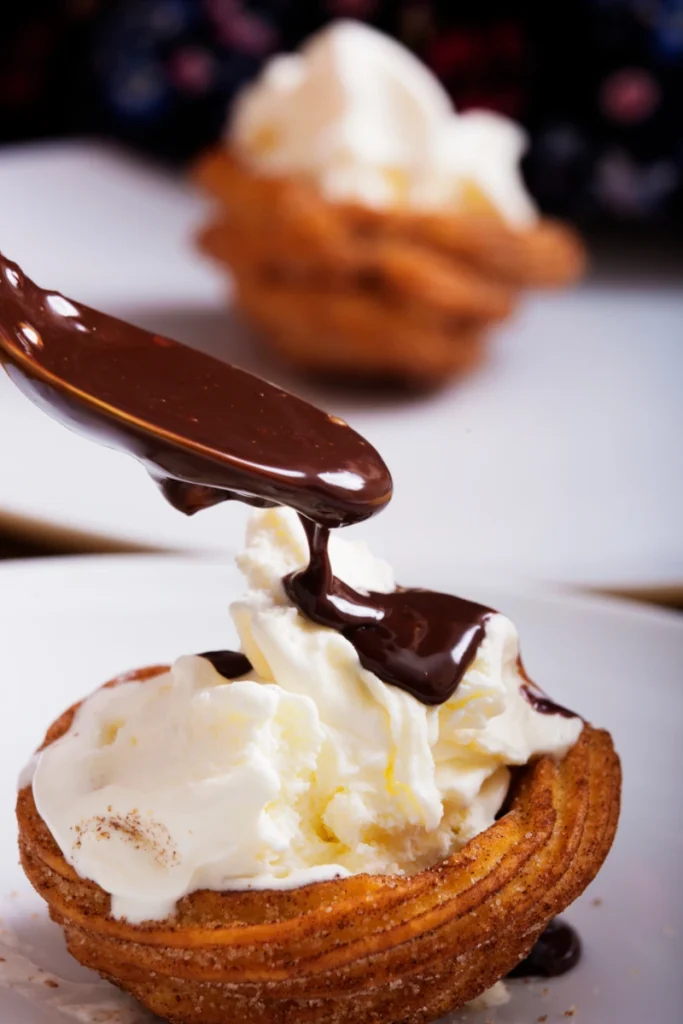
point(539, 700)
point(556, 952)
point(206, 431)
point(209, 432)
point(229, 664)
point(543, 704)
point(418, 640)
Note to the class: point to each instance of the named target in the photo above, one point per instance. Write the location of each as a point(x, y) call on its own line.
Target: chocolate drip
point(418, 640)
point(556, 952)
point(230, 664)
point(209, 432)
point(539, 700)
point(205, 430)
point(544, 705)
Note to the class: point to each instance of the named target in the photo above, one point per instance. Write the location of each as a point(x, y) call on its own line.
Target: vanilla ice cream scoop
point(306, 768)
point(359, 114)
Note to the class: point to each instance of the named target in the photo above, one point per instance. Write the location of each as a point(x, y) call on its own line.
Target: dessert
point(369, 811)
point(368, 228)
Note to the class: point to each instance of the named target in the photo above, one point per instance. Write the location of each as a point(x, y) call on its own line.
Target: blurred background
point(598, 83)
point(557, 459)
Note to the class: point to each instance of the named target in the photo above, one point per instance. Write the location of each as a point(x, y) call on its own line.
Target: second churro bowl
point(374, 239)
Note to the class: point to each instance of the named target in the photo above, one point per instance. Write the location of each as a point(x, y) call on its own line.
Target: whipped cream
point(308, 768)
point(357, 113)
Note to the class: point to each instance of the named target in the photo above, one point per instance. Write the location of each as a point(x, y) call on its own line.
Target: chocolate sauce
point(556, 952)
point(206, 431)
point(539, 700)
point(229, 664)
point(418, 640)
point(543, 704)
point(209, 432)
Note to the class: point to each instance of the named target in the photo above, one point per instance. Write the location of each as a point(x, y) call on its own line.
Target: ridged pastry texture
point(398, 293)
point(377, 949)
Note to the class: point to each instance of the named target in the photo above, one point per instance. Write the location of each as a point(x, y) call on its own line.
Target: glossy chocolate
point(556, 952)
point(205, 430)
point(418, 640)
point(543, 704)
point(230, 664)
point(539, 700)
point(209, 432)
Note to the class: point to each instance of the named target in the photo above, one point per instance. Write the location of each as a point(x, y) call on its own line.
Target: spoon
point(206, 431)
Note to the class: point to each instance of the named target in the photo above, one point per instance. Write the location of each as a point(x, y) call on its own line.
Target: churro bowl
point(374, 948)
point(339, 287)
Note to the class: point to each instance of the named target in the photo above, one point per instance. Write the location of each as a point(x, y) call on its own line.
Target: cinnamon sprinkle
point(143, 834)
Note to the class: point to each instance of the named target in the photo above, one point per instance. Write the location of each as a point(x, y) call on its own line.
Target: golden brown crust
point(341, 286)
point(384, 949)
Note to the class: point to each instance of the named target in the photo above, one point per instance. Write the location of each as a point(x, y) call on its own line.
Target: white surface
point(559, 460)
point(70, 624)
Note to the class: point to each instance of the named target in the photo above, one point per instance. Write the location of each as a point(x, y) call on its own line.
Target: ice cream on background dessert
point(364, 119)
point(398, 230)
point(307, 767)
point(321, 826)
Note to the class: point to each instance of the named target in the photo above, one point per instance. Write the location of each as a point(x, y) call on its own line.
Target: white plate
point(68, 625)
point(556, 461)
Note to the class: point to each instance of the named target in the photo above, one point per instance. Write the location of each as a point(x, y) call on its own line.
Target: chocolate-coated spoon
point(205, 430)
